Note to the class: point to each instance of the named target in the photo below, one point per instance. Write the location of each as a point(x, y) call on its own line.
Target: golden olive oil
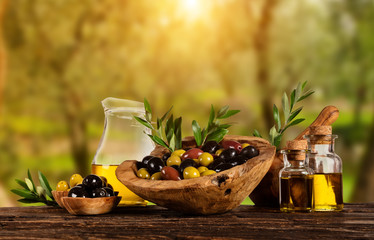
point(328, 192)
point(296, 193)
point(128, 197)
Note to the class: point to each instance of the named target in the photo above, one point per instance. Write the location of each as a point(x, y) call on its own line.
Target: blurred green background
point(59, 59)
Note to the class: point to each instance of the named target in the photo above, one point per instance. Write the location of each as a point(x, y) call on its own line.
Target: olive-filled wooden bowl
point(217, 193)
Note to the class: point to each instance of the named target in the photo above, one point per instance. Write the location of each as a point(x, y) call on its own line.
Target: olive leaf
point(35, 194)
point(197, 132)
point(215, 131)
point(276, 132)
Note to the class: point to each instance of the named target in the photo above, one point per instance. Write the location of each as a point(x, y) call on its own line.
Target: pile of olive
point(195, 162)
point(92, 186)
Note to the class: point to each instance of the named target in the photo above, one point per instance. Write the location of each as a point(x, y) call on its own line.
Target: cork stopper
point(320, 130)
point(295, 150)
point(320, 134)
point(297, 145)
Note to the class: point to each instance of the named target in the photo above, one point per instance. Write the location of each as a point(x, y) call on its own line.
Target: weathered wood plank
point(356, 221)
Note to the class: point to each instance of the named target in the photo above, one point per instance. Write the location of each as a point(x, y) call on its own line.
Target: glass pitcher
point(123, 139)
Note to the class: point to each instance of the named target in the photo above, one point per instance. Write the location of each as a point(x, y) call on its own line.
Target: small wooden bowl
point(58, 195)
point(90, 206)
point(211, 194)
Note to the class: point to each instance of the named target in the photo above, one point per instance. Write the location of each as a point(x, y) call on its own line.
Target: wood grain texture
point(212, 194)
point(356, 221)
point(266, 194)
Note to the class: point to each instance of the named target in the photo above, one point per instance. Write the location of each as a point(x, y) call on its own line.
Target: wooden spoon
point(266, 194)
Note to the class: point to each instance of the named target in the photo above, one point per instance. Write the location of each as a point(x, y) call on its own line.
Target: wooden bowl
point(90, 206)
point(58, 195)
point(211, 194)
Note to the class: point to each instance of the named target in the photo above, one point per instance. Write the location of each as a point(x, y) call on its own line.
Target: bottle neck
point(297, 163)
point(321, 144)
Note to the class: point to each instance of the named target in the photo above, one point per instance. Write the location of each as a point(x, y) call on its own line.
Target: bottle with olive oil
point(123, 139)
point(295, 179)
point(327, 167)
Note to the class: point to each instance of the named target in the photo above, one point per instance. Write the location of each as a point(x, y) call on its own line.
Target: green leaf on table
point(26, 200)
point(276, 116)
point(45, 184)
point(24, 193)
point(222, 111)
point(143, 122)
point(30, 177)
point(22, 184)
point(229, 113)
point(147, 107)
point(197, 132)
point(172, 142)
point(40, 191)
point(29, 184)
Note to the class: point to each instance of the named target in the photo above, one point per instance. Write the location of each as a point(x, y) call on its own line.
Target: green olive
point(173, 160)
point(218, 152)
point(156, 176)
point(244, 145)
point(178, 152)
point(202, 169)
point(205, 159)
point(208, 172)
point(143, 173)
point(190, 172)
point(62, 186)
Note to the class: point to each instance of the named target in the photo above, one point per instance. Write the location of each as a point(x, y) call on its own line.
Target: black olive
point(238, 160)
point(166, 156)
point(92, 181)
point(215, 163)
point(99, 192)
point(140, 165)
point(227, 154)
point(78, 191)
point(187, 163)
point(116, 193)
point(223, 167)
point(210, 147)
point(154, 165)
point(110, 186)
point(249, 152)
point(110, 192)
point(146, 159)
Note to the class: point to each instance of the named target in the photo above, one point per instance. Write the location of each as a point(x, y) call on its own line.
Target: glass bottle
point(327, 166)
point(295, 179)
point(123, 139)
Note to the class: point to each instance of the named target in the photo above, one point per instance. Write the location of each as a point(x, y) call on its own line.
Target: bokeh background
point(60, 58)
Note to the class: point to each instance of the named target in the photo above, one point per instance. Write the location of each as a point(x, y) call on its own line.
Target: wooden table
point(152, 222)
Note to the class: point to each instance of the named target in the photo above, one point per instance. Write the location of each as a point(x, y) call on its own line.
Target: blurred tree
point(3, 5)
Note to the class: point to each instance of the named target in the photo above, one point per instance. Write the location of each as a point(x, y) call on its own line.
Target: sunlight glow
point(191, 8)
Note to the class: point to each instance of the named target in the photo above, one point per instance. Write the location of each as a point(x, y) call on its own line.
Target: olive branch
point(289, 115)
point(215, 131)
point(35, 194)
point(167, 134)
